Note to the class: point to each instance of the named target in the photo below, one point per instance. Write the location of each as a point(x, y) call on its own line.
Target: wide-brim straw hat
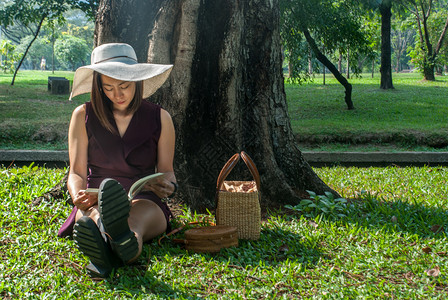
point(118, 60)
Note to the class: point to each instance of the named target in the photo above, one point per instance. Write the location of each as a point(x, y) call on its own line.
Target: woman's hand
point(162, 187)
point(84, 200)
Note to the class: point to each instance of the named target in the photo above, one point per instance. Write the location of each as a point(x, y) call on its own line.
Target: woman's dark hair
point(102, 106)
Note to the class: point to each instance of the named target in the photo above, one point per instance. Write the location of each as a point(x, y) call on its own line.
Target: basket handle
point(231, 164)
point(174, 231)
point(252, 168)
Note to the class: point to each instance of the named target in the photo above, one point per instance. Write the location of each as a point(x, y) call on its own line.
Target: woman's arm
point(77, 150)
point(165, 157)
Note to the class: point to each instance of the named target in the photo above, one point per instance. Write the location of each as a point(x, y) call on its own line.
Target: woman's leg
point(146, 220)
point(92, 213)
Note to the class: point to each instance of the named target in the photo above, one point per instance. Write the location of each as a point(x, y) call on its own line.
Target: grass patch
point(30, 116)
point(390, 244)
point(410, 117)
point(413, 115)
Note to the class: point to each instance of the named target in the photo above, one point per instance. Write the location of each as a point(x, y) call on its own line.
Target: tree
point(333, 25)
point(385, 8)
point(40, 47)
point(37, 11)
point(225, 93)
point(401, 39)
point(9, 56)
point(72, 50)
point(429, 43)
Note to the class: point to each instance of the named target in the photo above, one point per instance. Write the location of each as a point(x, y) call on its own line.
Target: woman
point(114, 140)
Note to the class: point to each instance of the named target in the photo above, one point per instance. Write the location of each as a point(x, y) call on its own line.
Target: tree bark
point(225, 92)
point(327, 63)
point(386, 46)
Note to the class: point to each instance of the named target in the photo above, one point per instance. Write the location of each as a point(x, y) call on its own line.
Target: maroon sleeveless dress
point(125, 159)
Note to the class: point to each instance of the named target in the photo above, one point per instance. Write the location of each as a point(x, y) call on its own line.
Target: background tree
point(10, 57)
point(225, 93)
point(40, 47)
point(372, 28)
point(18, 31)
point(402, 37)
point(333, 25)
point(36, 11)
point(430, 40)
point(385, 8)
point(72, 51)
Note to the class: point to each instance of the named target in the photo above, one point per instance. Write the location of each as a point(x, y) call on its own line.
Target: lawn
point(388, 241)
point(31, 117)
point(413, 116)
point(410, 117)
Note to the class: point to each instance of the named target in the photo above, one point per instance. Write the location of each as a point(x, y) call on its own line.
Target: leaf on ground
point(313, 224)
point(393, 219)
point(427, 250)
point(436, 228)
point(283, 248)
point(434, 272)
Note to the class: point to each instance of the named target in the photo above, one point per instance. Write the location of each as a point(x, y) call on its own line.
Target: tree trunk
point(28, 48)
point(431, 55)
point(386, 46)
point(225, 93)
point(348, 64)
point(340, 63)
point(327, 63)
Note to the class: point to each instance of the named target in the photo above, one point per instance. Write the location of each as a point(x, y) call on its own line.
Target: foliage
point(335, 25)
point(431, 21)
point(31, 11)
point(9, 54)
point(392, 246)
point(36, 11)
point(402, 37)
point(324, 205)
point(72, 51)
point(41, 47)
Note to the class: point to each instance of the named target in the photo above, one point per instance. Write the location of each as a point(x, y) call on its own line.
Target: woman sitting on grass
point(114, 140)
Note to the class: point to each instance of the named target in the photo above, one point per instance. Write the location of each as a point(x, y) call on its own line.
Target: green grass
point(394, 231)
point(410, 117)
point(31, 117)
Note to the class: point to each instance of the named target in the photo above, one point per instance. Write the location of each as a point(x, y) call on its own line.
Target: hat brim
point(152, 75)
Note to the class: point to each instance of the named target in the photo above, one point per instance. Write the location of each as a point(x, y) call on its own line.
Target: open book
point(137, 186)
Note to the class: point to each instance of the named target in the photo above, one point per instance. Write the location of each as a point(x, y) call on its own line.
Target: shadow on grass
point(274, 247)
point(389, 216)
point(399, 216)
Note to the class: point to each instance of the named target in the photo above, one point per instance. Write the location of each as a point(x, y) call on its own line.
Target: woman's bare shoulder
point(79, 111)
point(165, 115)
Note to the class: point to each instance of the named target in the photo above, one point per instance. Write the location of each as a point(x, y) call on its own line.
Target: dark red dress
point(125, 159)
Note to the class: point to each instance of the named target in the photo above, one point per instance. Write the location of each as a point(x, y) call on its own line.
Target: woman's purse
point(237, 202)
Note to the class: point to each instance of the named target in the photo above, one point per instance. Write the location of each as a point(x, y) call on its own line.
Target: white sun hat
point(118, 60)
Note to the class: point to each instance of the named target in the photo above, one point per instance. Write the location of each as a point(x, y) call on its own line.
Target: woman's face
point(119, 92)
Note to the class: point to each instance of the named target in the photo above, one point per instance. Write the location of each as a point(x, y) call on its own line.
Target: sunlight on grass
point(391, 243)
point(410, 116)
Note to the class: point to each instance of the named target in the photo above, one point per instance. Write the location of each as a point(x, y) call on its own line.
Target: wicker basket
point(237, 202)
point(211, 239)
